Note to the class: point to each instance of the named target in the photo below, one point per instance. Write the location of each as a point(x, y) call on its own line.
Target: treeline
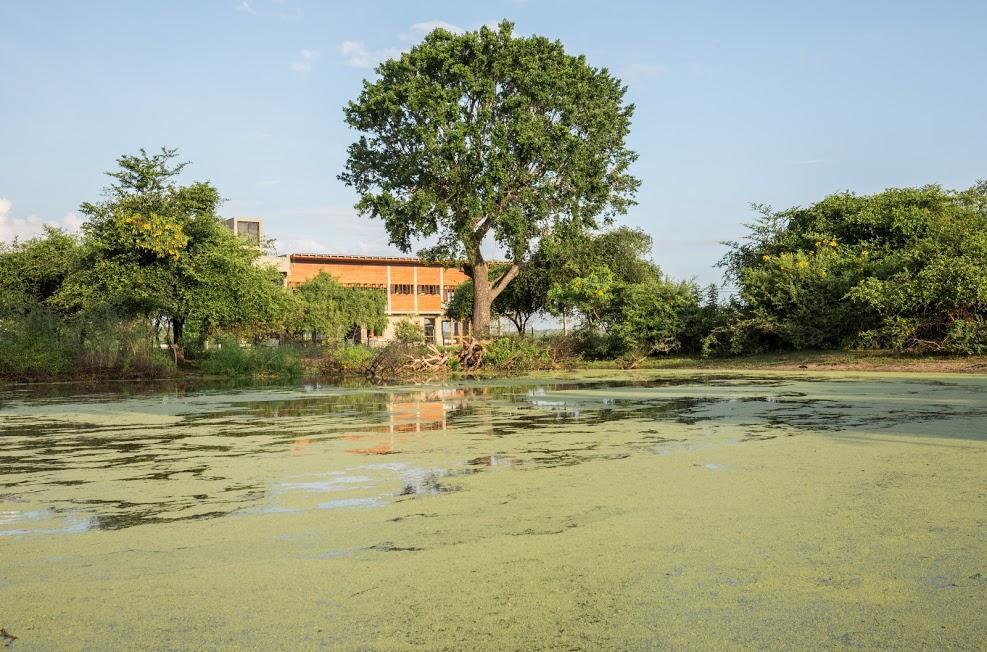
point(902, 270)
point(153, 278)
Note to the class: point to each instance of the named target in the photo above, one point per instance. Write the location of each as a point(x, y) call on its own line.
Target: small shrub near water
point(235, 361)
point(515, 353)
point(345, 359)
point(408, 332)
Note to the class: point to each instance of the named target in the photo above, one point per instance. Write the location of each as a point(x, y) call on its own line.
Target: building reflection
point(409, 415)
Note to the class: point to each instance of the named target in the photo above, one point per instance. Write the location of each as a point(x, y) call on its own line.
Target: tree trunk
point(177, 327)
point(484, 293)
point(482, 300)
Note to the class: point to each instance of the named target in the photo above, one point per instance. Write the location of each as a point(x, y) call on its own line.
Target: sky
point(736, 102)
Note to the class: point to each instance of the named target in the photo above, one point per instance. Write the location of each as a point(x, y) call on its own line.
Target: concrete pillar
point(388, 290)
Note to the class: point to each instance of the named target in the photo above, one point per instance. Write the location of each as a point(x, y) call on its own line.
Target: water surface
point(632, 510)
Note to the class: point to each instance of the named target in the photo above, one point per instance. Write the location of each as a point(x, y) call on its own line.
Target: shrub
point(968, 336)
point(517, 353)
point(31, 345)
point(235, 361)
point(408, 332)
point(36, 343)
point(346, 359)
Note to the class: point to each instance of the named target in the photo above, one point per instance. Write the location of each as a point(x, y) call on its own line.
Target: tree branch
point(498, 286)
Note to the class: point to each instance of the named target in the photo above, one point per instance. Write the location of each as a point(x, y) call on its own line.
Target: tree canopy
point(901, 269)
point(486, 137)
point(156, 249)
point(331, 311)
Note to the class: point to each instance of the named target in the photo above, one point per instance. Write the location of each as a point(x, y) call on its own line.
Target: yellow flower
point(865, 253)
point(803, 264)
point(832, 243)
point(766, 257)
point(599, 293)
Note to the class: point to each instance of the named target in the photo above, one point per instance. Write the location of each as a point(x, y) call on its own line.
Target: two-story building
point(415, 290)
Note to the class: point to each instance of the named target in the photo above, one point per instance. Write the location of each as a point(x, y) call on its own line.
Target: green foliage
point(346, 359)
point(968, 336)
point(408, 332)
point(235, 361)
point(32, 344)
point(516, 353)
point(32, 271)
point(591, 295)
point(37, 343)
point(155, 249)
point(893, 270)
point(460, 306)
point(331, 311)
point(648, 318)
point(614, 256)
point(484, 134)
point(525, 296)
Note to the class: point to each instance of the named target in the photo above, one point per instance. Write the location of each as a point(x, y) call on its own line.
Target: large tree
point(157, 250)
point(484, 136)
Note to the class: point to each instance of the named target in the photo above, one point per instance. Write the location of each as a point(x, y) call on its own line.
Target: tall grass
point(37, 345)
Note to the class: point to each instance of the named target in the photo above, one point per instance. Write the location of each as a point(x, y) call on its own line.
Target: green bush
point(408, 332)
point(31, 345)
point(346, 359)
point(36, 343)
point(899, 270)
point(261, 361)
point(517, 353)
point(968, 336)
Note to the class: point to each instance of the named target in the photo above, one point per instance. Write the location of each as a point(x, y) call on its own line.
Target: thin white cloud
point(275, 8)
point(266, 183)
point(358, 55)
point(302, 66)
point(246, 8)
point(426, 27)
point(23, 228)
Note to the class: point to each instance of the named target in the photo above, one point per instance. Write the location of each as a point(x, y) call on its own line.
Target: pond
point(579, 511)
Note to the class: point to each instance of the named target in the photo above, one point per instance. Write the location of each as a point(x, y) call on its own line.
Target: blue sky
point(775, 102)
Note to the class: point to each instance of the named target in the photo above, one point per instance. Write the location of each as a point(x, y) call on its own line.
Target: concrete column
point(414, 287)
point(388, 289)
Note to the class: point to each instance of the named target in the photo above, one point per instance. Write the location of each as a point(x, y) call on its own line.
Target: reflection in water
point(104, 461)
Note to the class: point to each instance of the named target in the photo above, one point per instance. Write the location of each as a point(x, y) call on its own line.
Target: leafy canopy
point(156, 249)
point(487, 134)
point(332, 310)
point(903, 269)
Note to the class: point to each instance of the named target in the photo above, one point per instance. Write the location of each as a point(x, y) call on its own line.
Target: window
point(429, 329)
point(402, 288)
point(428, 289)
point(249, 230)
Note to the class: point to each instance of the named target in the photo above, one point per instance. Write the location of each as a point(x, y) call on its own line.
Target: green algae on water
point(605, 510)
